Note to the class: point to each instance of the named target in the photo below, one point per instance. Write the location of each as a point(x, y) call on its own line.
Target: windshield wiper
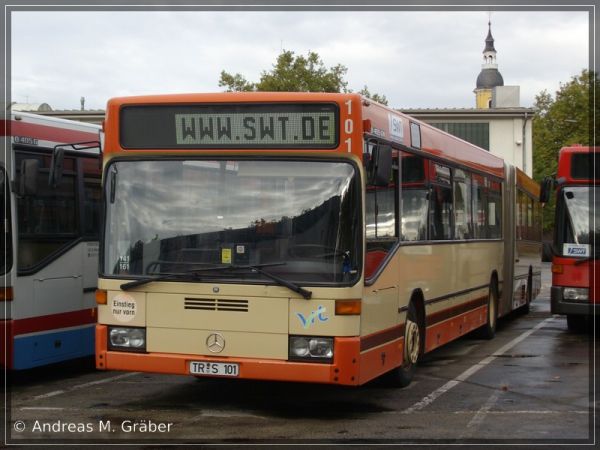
point(195, 275)
point(288, 284)
point(171, 276)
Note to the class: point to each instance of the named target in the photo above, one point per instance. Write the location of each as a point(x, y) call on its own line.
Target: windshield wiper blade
point(171, 276)
point(258, 269)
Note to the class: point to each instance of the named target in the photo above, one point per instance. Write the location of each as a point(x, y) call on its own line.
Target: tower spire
point(489, 77)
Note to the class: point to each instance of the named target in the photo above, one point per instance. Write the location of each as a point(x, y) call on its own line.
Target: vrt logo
point(319, 315)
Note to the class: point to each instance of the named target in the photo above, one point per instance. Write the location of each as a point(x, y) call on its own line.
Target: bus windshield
point(6, 239)
point(579, 201)
point(174, 216)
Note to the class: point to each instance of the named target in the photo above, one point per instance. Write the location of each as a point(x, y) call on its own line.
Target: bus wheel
point(576, 323)
point(403, 375)
point(488, 331)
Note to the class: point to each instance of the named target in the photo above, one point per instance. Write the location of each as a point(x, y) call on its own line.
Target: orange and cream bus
point(299, 237)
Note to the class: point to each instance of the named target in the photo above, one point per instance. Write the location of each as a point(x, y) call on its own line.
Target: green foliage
point(565, 119)
point(375, 97)
point(292, 73)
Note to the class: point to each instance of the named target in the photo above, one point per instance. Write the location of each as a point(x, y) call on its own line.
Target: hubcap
point(492, 312)
point(412, 342)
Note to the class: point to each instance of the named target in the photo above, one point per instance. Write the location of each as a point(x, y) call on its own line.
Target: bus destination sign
point(230, 126)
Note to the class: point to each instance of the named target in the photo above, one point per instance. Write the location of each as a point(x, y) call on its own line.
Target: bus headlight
point(309, 348)
point(128, 339)
point(576, 294)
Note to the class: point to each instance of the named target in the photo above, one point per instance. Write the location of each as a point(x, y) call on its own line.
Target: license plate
point(214, 369)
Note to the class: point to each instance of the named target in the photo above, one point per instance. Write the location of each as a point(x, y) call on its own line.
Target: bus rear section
point(575, 270)
point(51, 198)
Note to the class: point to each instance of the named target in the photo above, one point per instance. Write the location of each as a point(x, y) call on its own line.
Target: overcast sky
point(427, 59)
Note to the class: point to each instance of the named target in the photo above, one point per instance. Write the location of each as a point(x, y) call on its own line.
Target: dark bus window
point(479, 207)
point(47, 220)
point(440, 213)
point(415, 196)
point(494, 210)
point(462, 205)
point(381, 227)
point(584, 166)
point(6, 237)
point(92, 197)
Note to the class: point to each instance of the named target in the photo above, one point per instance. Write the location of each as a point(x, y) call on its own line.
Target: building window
point(475, 133)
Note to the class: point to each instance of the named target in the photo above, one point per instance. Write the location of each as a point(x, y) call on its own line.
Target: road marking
point(84, 385)
point(40, 408)
point(533, 411)
point(483, 411)
point(429, 399)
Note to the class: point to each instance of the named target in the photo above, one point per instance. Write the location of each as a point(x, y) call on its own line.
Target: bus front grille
point(214, 304)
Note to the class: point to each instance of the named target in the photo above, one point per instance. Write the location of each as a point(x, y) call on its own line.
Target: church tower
point(489, 77)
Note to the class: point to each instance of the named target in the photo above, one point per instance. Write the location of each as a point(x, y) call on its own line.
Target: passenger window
point(479, 206)
point(462, 205)
point(440, 213)
point(415, 197)
point(381, 229)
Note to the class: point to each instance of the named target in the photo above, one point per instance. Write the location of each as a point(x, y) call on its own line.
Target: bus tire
point(528, 295)
point(576, 323)
point(488, 331)
point(413, 344)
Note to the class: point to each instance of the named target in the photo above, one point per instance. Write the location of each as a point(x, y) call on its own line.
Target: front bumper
point(345, 369)
point(558, 305)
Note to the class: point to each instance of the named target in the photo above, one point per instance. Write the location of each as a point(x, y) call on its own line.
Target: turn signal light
point(6, 294)
point(557, 268)
point(347, 307)
point(101, 297)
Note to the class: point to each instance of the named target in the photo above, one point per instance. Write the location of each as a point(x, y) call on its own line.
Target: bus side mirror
point(546, 189)
point(30, 169)
point(380, 168)
point(56, 166)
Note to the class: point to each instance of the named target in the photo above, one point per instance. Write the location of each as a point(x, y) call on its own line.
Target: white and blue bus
point(50, 205)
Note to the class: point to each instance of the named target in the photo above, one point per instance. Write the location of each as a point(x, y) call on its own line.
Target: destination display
point(229, 126)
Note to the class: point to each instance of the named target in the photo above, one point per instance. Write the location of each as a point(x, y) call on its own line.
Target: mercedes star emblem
point(215, 343)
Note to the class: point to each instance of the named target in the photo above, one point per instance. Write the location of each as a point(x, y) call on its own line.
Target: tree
point(292, 73)
point(375, 97)
point(563, 120)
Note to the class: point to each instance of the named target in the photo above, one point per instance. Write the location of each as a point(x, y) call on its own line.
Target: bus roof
point(42, 131)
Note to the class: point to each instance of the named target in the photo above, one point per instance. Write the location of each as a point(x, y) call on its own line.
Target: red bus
point(575, 270)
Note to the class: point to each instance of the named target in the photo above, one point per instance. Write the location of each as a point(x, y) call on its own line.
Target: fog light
point(309, 348)
point(576, 294)
point(129, 339)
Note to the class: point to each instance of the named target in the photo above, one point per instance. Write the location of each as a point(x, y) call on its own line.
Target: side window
point(381, 228)
point(440, 211)
point(495, 210)
point(462, 205)
point(415, 135)
point(47, 220)
point(6, 235)
point(92, 197)
point(415, 196)
point(479, 206)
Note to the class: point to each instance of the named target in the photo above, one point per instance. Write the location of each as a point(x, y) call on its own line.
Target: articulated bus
point(575, 270)
point(50, 183)
point(301, 237)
